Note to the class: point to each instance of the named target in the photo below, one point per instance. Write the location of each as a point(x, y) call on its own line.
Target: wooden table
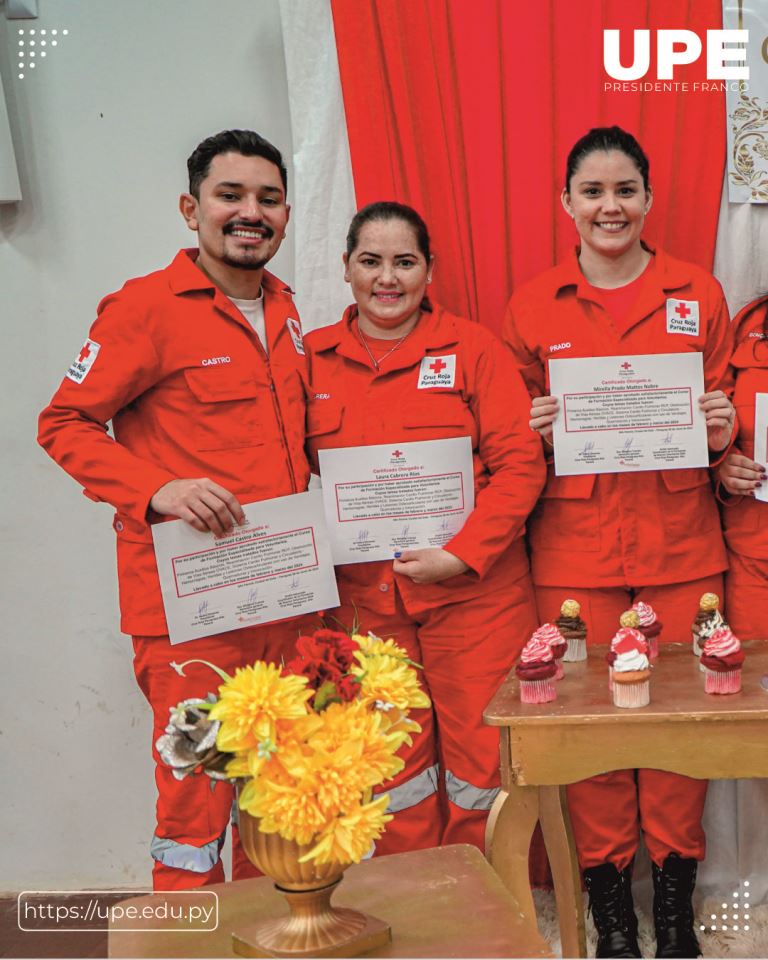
point(544, 747)
point(445, 902)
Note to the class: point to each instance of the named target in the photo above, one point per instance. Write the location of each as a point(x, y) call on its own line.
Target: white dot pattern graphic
point(740, 902)
point(31, 43)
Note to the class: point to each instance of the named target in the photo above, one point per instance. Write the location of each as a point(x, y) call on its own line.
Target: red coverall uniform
point(609, 539)
point(190, 392)
point(745, 520)
point(466, 630)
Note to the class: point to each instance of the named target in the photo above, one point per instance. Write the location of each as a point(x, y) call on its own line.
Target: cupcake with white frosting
point(631, 670)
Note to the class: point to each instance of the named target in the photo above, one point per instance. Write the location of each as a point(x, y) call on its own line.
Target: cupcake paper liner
point(577, 650)
point(560, 673)
point(632, 694)
point(537, 691)
point(727, 681)
point(653, 647)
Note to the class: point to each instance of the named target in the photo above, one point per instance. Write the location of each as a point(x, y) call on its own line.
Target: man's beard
point(246, 265)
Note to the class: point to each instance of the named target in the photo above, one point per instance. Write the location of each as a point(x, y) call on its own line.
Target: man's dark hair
point(245, 142)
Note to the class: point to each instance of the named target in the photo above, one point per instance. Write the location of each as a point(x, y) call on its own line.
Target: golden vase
point(313, 927)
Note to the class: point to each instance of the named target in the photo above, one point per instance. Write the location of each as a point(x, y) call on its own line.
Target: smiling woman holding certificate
point(396, 370)
point(613, 539)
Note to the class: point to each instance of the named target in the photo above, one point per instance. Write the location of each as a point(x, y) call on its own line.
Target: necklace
point(377, 363)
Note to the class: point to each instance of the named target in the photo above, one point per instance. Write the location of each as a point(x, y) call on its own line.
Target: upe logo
point(676, 48)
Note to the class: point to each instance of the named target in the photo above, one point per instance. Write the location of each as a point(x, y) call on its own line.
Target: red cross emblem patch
point(437, 372)
point(683, 317)
point(80, 366)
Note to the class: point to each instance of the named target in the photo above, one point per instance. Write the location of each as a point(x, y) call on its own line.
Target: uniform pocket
point(226, 413)
point(567, 512)
point(440, 415)
point(690, 504)
point(323, 416)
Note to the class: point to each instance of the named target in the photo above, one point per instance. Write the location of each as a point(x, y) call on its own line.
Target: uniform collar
point(669, 274)
point(184, 276)
point(434, 331)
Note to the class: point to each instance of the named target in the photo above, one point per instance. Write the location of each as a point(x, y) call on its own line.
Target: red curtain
point(466, 109)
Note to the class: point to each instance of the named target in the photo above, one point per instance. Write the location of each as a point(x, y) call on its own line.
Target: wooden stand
point(313, 929)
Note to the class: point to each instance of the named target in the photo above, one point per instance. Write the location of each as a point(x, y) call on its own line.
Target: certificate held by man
point(388, 497)
point(628, 413)
point(274, 566)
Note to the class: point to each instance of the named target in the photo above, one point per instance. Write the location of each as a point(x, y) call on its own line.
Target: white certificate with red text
point(390, 497)
point(628, 413)
point(276, 565)
point(761, 438)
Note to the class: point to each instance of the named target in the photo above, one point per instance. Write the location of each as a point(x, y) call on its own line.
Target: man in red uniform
point(199, 367)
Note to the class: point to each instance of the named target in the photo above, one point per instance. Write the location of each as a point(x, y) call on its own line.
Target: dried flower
point(309, 742)
point(189, 742)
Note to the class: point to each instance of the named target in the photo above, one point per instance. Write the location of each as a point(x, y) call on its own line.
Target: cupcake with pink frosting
point(722, 659)
point(536, 672)
point(631, 670)
point(631, 620)
point(549, 633)
point(650, 626)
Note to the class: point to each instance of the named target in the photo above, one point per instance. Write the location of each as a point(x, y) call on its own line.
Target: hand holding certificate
point(388, 497)
point(761, 439)
point(274, 566)
point(629, 413)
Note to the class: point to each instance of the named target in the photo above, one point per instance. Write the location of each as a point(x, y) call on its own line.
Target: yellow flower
point(397, 721)
point(239, 766)
point(375, 646)
point(252, 704)
point(347, 838)
point(388, 680)
point(283, 808)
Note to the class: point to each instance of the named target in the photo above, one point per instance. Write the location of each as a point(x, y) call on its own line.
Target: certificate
point(276, 565)
point(619, 414)
point(761, 438)
point(388, 497)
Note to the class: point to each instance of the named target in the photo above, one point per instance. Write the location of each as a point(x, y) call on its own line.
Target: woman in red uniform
point(745, 525)
point(610, 540)
point(395, 370)
point(745, 520)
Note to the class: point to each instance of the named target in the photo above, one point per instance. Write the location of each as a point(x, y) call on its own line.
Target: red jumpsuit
point(745, 520)
point(607, 540)
point(190, 392)
point(466, 630)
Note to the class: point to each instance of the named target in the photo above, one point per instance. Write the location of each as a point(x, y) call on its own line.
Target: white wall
point(102, 129)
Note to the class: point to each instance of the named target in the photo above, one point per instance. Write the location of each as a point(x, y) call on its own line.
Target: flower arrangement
point(308, 741)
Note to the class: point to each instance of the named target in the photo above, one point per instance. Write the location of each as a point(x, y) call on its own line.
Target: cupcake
point(722, 658)
point(536, 672)
point(549, 633)
point(631, 672)
point(573, 628)
point(650, 627)
point(631, 620)
point(708, 619)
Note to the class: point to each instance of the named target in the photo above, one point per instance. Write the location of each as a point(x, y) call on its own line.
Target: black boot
point(673, 885)
point(610, 900)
